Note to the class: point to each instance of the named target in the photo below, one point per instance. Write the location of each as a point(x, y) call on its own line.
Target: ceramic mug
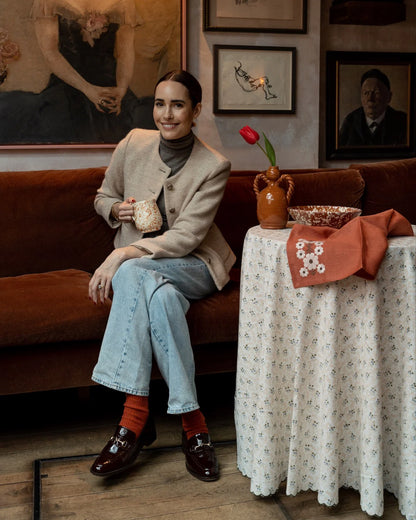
point(147, 217)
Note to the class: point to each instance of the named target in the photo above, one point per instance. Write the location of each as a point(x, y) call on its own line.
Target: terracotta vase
point(273, 200)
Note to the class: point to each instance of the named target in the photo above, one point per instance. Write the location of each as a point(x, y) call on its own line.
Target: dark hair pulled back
point(188, 81)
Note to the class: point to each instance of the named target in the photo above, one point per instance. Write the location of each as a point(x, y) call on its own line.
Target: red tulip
point(249, 135)
point(252, 137)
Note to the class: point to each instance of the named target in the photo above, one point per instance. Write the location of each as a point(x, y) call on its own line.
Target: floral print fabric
point(326, 377)
point(309, 252)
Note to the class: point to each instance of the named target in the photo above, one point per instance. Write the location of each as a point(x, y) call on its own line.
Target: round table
point(326, 377)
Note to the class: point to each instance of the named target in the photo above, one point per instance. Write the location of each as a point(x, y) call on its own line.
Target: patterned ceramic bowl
point(332, 216)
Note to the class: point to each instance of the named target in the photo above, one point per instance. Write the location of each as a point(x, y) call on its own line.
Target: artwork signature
point(250, 84)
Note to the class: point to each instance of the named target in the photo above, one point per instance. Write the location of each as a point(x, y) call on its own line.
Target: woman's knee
point(167, 296)
point(131, 271)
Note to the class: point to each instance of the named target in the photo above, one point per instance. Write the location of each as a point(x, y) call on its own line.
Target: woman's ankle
point(135, 414)
point(193, 423)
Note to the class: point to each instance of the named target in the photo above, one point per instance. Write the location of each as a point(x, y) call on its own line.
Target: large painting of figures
point(81, 73)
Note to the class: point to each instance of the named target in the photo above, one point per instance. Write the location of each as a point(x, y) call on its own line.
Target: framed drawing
point(76, 78)
point(284, 16)
point(370, 110)
point(254, 79)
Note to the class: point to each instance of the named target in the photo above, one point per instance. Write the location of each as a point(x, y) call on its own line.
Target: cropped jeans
point(148, 318)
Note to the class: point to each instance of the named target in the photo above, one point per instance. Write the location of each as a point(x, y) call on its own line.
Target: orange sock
point(193, 423)
point(136, 413)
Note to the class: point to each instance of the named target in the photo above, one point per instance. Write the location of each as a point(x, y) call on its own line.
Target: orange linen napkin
point(323, 254)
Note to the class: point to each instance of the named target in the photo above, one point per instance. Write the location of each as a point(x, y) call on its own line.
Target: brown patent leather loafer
point(122, 450)
point(201, 461)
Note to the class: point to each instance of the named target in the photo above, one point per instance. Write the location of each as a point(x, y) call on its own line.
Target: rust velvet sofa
point(52, 240)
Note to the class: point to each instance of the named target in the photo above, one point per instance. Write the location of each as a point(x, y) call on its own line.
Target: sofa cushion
point(49, 307)
point(51, 221)
point(389, 184)
point(54, 307)
point(327, 187)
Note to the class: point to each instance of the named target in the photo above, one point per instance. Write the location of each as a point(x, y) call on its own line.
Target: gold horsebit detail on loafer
point(200, 446)
point(118, 441)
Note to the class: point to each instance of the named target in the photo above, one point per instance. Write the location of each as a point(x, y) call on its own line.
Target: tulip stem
point(264, 151)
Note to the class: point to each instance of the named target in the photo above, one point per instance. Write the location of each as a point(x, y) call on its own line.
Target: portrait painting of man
point(370, 107)
point(378, 98)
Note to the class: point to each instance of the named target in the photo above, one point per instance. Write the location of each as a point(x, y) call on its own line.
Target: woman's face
point(172, 111)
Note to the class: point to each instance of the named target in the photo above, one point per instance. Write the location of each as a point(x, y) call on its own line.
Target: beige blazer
point(192, 197)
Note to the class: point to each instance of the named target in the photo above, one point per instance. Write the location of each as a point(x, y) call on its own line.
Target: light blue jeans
point(148, 317)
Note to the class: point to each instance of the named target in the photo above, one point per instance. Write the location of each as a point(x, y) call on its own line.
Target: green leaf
point(269, 151)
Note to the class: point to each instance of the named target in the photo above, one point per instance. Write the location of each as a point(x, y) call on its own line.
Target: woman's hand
point(116, 94)
point(106, 99)
point(103, 98)
point(100, 283)
point(123, 211)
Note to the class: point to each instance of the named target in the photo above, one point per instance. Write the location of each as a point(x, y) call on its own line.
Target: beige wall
point(297, 138)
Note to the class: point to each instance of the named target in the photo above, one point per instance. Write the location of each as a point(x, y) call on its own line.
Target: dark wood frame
point(261, 103)
point(213, 22)
point(361, 61)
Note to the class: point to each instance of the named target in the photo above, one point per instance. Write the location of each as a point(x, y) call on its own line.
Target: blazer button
point(172, 210)
point(169, 187)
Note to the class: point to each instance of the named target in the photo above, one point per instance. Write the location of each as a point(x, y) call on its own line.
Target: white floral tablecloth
point(326, 378)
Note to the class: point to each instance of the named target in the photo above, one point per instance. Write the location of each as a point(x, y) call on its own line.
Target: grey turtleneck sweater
point(174, 153)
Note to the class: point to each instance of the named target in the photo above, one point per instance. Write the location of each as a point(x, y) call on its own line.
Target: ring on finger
point(100, 287)
point(101, 102)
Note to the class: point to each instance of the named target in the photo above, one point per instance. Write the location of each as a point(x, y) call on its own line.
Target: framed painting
point(279, 16)
point(370, 110)
point(76, 78)
point(254, 79)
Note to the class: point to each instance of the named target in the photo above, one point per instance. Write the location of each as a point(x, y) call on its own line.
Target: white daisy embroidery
point(310, 261)
point(308, 252)
point(321, 268)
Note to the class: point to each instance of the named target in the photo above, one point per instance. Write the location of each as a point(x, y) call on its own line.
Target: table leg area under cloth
point(326, 378)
